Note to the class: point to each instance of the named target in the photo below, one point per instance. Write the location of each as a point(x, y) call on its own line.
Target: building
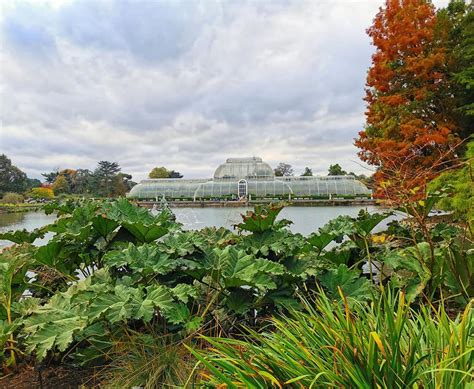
point(249, 178)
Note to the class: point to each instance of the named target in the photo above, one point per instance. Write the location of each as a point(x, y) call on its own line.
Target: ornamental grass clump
point(385, 344)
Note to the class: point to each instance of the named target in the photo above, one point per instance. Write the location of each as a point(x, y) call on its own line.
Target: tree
point(336, 170)
point(162, 172)
point(459, 183)
point(462, 53)
point(123, 184)
point(61, 185)
point(12, 179)
point(175, 174)
point(406, 118)
point(105, 176)
point(32, 183)
point(307, 172)
point(283, 169)
point(159, 172)
point(50, 177)
point(454, 33)
point(83, 181)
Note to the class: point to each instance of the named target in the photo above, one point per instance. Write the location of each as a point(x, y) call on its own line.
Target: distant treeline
point(107, 180)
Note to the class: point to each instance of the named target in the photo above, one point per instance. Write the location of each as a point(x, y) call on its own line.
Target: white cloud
point(182, 84)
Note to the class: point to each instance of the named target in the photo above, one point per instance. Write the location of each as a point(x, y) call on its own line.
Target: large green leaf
point(338, 227)
point(144, 259)
point(53, 325)
point(55, 334)
point(178, 313)
point(71, 227)
point(235, 268)
point(184, 291)
point(49, 253)
point(275, 245)
point(410, 265)
point(157, 296)
point(113, 306)
point(140, 222)
point(22, 236)
point(350, 282)
point(239, 301)
point(103, 225)
point(14, 264)
point(262, 219)
point(145, 233)
point(337, 256)
point(320, 240)
point(366, 221)
point(183, 243)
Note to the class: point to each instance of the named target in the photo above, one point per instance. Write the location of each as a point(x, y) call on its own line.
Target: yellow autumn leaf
point(379, 343)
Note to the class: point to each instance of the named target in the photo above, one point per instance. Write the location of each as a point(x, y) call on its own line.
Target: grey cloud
point(183, 84)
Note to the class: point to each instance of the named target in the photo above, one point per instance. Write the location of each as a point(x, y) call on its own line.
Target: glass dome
point(238, 168)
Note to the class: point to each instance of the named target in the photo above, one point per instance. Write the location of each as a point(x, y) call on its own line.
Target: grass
point(150, 362)
point(387, 344)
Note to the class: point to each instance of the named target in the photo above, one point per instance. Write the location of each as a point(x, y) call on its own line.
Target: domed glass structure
point(247, 168)
point(249, 178)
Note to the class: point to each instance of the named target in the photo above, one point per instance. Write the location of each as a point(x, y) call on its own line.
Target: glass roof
point(237, 168)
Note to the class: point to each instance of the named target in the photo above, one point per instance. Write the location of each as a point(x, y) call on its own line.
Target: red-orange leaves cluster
point(407, 127)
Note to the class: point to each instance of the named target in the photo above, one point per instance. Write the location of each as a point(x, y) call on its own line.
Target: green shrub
point(383, 345)
point(42, 193)
point(12, 198)
point(460, 183)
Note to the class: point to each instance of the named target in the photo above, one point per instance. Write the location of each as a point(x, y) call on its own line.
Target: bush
point(12, 198)
point(42, 193)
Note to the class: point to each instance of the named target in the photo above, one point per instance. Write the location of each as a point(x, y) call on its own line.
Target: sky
point(183, 84)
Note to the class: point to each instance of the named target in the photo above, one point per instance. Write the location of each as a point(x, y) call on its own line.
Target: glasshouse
point(249, 178)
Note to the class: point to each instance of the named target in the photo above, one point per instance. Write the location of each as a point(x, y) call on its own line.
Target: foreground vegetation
point(386, 344)
point(131, 292)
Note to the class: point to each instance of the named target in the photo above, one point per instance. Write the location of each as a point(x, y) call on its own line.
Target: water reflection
point(9, 219)
point(24, 220)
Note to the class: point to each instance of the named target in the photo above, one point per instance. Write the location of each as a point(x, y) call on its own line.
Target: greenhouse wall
point(250, 178)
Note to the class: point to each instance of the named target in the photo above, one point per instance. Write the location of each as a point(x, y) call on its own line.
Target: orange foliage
point(407, 128)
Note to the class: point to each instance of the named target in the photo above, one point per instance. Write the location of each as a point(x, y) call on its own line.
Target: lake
point(305, 219)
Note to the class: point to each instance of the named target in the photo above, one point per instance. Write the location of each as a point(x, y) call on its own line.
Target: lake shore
point(251, 203)
point(19, 208)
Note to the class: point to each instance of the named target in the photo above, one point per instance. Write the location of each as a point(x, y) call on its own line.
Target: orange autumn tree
point(409, 130)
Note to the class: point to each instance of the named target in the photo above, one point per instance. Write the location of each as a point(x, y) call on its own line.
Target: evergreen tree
point(105, 177)
point(50, 177)
point(336, 170)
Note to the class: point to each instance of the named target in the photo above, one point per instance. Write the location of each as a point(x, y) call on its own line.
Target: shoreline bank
point(288, 203)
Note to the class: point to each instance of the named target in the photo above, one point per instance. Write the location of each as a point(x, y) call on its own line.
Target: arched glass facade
point(251, 178)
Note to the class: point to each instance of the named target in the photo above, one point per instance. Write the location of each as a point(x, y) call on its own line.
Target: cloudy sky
point(184, 84)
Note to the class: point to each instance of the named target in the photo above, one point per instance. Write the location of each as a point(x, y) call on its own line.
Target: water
point(305, 219)
point(22, 220)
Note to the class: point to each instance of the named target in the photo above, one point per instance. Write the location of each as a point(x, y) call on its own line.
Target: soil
point(55, 377)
